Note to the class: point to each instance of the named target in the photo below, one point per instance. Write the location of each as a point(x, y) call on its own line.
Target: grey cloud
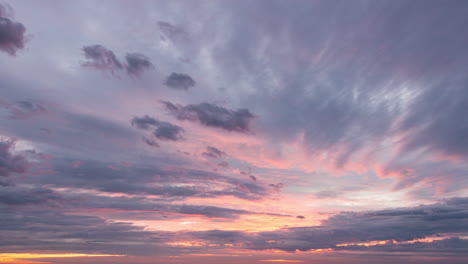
point(137, 63)
point(179, 81)
point(172, 32)
point(23, 109)
point(11, 33)
point(212, 115)
point(163, 130)
point(400, 224)
point(150, 142)
point(10, 162)
point(35, 230)
point(214, 153)
point(437, 121)
point(101, 58)
point(25, 196)
point(147, 180)
point(21, 198)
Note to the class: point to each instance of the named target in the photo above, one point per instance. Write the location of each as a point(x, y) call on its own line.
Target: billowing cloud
point(179, 81)
point(137, 63)
point(11, 33)
point(212, 115)
point(101, 58)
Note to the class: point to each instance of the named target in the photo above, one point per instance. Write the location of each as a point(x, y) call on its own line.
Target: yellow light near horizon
point(18, 257)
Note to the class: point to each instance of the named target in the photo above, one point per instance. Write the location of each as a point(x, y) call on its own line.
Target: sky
point(226, 131)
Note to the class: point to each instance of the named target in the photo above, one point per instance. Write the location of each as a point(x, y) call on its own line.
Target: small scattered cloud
point(212, 115)
point(137, 63)
point(162, 130)
point(179, 81)
point(11, 32)
point(101, 58)
point(213, 153)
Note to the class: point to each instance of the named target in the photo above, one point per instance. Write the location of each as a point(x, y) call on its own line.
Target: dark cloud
point(213, 116)
point(145, 122)
point(178, 183)
point(214, 153)
point(54, 231)
point(179, 81)
point(11, 33)
point(300, 217)
point(24, 196)
point(399, 225)
point(163, 130)
point(137, 63)
point(10, 162)
point(101, 58)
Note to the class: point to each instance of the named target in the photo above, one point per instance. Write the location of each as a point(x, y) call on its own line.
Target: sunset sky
point(234, 132)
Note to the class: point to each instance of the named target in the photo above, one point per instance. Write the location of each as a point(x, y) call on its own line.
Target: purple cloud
point(214, 153)
point(162, 130)
point(11, 33)
point(101, 58)
point(137, 63)
point(212, 115)
point(10, 162)
point(179, 81)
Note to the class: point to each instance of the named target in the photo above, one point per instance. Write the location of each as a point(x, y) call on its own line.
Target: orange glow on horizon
point(17, 258)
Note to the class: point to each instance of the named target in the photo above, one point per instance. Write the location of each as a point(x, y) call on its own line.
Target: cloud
point(179, 81)
point(137, 63)
point(171, 32)
point(214, 153)
point(178, 182)
point(23, 109)
point(24, 196)
point(212, 115)
point(401, 225)
point(436, 120)
point(163, 130)
point(55, 230)
point(150, 142)
point(101, 58)
point(11, 33)
point(9, 162)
